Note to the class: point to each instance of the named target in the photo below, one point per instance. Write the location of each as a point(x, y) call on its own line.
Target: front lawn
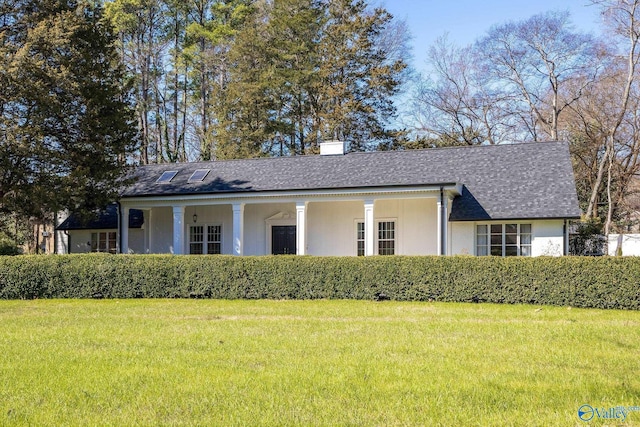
point(208, 362)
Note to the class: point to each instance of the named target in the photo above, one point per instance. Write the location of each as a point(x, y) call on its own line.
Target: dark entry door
point(283, 239)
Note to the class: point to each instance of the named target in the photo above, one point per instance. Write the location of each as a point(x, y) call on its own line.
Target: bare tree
point(534, 60)
point(623, 18)
point(513, 84)
point(456, 106)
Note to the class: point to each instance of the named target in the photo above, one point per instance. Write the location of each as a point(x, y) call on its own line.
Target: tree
point(212, 26)
point(512, 84)
point(307, 70)
point(360, 73)
point(140, 26)
point(455, 107)
point(243, 119)
point(65, 126)
point(624, 19)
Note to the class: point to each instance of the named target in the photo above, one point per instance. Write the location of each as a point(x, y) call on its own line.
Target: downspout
point(55, 233)
point(443, 237)
point(66, 233)
point(565, 238)
point(119, 230)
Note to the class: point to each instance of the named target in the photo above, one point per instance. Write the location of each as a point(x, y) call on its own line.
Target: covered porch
point(391, 221)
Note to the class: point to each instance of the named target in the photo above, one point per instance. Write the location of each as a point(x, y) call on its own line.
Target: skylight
point(167, 176)
point(199, 175)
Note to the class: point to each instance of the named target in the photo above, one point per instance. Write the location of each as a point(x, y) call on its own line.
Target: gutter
point(455, 187)
point(443, 210)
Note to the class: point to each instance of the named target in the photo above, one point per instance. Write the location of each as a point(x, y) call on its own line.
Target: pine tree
point(243, 118)
point(308, 70)
point(65, 127)
point(359, 78)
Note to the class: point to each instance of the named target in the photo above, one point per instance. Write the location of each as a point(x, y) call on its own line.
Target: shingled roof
point(105, 220)
point(515, 181)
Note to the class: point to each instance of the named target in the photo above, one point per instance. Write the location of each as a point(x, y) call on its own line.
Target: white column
point(178, 230)
point(238, 228)
point(124, 230)
point(369, 228)
point(301, 228)
point(443, 209)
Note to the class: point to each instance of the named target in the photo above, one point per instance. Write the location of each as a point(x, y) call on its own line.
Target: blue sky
point(466, 20)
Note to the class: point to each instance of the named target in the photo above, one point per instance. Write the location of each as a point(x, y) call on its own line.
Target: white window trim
point(205, 236)
point(97, 233)
point(503, 224)
point(376, 221)
point(356, 221)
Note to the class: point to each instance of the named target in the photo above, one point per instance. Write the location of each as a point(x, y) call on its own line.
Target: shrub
point(9, 248)
point(606, 282)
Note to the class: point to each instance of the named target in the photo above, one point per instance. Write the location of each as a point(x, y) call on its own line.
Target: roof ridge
point(380, 152)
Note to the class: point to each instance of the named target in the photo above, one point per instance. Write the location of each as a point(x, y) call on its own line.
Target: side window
point(386, 238)
point(104, 241)
point(503, 239)
point(360, 238)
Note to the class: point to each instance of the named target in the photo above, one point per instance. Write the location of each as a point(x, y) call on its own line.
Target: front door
point(283, 239)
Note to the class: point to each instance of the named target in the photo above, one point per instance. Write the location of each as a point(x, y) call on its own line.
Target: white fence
point(630, 244)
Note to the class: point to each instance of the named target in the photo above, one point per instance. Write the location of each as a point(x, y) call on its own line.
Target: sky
point(466, 20)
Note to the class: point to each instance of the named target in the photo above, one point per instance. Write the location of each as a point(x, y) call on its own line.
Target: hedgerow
point(606, 282)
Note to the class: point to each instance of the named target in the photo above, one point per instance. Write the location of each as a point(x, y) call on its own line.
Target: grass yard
point(245, 363)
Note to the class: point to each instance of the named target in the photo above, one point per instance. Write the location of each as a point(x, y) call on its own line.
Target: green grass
point(203, 362)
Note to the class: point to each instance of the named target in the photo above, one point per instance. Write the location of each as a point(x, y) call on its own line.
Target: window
point(360, 238)
point(199, 175)
point(167, 176)
point(104, 241)
point(201, 243)
point(214, 239)
point(503, 239)
point(386, 238)
point(196, 239)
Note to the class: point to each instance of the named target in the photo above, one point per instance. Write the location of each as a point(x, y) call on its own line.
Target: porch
point(400, 222)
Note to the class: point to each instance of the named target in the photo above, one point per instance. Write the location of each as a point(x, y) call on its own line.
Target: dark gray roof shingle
point(105, 220)
point(516, 181)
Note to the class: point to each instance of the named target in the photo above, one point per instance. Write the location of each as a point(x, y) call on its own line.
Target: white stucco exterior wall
point(462, 239)
point(79, 241)
point(548, 238)
point(416, 224)
point(161, 230)
point(332, 227)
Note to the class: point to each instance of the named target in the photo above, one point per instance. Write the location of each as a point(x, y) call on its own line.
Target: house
point(483, 200)
point(100, 234)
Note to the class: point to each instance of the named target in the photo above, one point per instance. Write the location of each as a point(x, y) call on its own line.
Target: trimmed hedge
point(606, 282)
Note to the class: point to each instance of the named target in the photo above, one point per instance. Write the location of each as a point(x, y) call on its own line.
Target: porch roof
point(515, 181)
point(105, 220)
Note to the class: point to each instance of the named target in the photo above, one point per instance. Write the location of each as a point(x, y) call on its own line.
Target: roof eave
point(453, 188)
